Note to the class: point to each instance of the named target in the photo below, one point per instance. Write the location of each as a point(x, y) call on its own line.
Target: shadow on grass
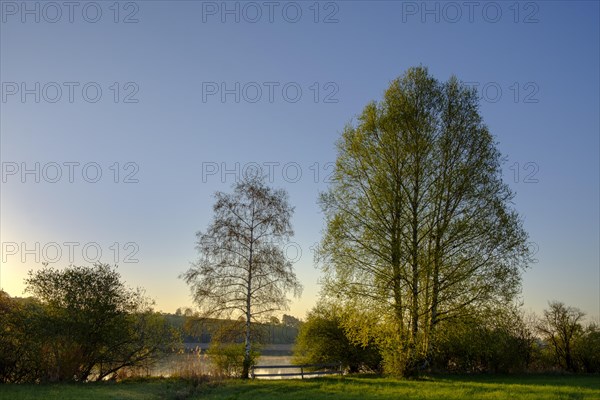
point(530, 387)
point(587, 381)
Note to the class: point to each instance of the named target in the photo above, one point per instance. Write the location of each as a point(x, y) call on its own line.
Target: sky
point(120, 120)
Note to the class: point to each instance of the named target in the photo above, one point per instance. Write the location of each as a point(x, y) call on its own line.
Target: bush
point(82, 324)
point(16, 363)
point(587, 350)
point(323, 339)
point(226, 350)
point(496, 343)
point(227, 358)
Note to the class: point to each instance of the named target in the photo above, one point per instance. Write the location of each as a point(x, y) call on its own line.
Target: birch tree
point(242, 271)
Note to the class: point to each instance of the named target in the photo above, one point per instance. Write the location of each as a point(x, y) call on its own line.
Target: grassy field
point(532, 387)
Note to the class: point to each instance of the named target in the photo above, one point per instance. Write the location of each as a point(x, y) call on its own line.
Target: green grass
point(491, 387)
point(151, 389)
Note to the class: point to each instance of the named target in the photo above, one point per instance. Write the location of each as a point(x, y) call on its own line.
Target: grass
point(492, 387)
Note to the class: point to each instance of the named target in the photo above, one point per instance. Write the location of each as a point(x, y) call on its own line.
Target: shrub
point(228, 358)
point(82, 324)
point(587, 350)
point(323, 339)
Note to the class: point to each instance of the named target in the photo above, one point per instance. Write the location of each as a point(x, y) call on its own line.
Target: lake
point(198, 362)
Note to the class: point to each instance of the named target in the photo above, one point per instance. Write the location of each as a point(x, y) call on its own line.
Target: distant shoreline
point(266, 350)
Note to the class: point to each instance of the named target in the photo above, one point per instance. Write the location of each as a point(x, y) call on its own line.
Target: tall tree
point(419, 222)
point(561, 327)
point(242, 270)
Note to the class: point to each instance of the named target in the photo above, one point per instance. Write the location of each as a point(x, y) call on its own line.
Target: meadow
point(454, 387)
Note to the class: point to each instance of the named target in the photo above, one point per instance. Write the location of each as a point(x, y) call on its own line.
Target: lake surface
point(195, 363)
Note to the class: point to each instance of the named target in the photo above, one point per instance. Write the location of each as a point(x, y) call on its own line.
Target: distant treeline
point(194, 329)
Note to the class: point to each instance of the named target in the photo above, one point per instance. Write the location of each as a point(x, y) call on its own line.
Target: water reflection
point(188, 364)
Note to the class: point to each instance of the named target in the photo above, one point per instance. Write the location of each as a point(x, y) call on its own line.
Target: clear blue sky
point(536, 65)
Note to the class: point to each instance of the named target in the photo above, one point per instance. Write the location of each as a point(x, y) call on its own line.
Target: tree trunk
point(247, 339)
point(411, 364)
point(434, 300)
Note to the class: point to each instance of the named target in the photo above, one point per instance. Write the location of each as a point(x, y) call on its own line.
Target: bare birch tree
point(243, 271)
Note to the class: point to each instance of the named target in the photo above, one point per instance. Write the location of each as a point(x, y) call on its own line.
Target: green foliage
point(227, 349)
point(291, 321)
point(21, 350)
point(499, 343)
point(82, 324)
point(228, 358)
point(420, 225)
point(9, 336)
point(587, 350)
point(323, 339)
